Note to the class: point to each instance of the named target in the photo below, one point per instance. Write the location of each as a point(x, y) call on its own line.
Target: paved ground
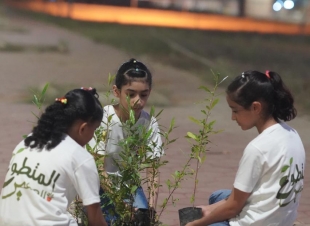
point(88, 64)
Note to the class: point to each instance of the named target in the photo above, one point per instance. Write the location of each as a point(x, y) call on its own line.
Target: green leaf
point(205, 88)
point(171, 141)
point(177, 173)
point(158, 114)
point(291, 161)
point(44, 89)
point(148, 134)
point(133, 189)
point(152, 111)
point(214, 102)
point(35, 100)
point(110, 118)
point(88, 148)
point(284, 168)
point(203, 159)
point(194, 120)
point(171, 125)
point(132, 117)
point(146, 165)
point(191, 135)
point(111, 79)
point(168, 183)
point(210, 125)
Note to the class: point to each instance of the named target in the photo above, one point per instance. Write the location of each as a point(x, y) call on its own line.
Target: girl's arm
point(95, 217)
point(224, 210)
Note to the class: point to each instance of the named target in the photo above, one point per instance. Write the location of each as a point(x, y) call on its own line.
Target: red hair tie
point(62, 100)
point(267, 74)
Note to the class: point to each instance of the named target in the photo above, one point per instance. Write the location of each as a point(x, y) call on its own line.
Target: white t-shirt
point(271, 169)
point(115, 134)
point(40, 185)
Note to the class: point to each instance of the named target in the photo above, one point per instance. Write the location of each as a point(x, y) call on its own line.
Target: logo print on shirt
point(289, 184)
point(31, 173)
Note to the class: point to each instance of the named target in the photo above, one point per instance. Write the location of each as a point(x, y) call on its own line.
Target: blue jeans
point(216, 197)
point(140, 202)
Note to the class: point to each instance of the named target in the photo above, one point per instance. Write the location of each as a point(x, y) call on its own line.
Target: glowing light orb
point(288, 4)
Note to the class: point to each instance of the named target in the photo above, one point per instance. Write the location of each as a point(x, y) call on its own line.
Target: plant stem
point(202, 141)
point(179, 179)
point(195, 185)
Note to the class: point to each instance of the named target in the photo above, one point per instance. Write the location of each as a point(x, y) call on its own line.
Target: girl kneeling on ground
point(50, 167)
point(270, 177)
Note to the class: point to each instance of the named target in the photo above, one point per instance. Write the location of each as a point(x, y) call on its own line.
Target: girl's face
point(138, 93)
point(246, 118)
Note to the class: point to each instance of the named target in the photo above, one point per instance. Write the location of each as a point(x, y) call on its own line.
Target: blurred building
point(295, 11)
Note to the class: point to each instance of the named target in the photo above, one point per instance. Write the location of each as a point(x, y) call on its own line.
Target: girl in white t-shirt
point(270, 177)
point(133, 80)
point(50, 167)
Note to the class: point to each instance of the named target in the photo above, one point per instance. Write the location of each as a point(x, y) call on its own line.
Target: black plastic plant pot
point(189, 214)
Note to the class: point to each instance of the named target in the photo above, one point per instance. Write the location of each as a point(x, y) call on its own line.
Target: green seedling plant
point(135, 159)
point(133, 162)
point(200, 140)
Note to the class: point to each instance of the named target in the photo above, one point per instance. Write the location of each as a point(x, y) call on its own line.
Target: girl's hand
point(206, 210)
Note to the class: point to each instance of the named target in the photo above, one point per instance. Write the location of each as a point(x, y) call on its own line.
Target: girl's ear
point(116, 91)
point(82, 128)
point(257, 107)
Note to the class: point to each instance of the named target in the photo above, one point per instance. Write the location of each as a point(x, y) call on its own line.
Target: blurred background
point(227, 36)
point(283, 10)
point(293, 11)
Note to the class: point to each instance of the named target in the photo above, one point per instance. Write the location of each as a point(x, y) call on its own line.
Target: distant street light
point(277, 6)
point(288, 4)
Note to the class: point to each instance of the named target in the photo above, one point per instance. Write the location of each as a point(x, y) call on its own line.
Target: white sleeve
point(155, 142)
point(250, 169)
point(87, 179)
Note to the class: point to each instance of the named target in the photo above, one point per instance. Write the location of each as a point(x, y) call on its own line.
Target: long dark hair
point(132, 70)
point(253, 86)
point(57, 119)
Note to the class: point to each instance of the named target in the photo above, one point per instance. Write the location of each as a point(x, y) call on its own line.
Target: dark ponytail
point(283, 100)
point(132, 70)
point(55, 122)
point(269, 88)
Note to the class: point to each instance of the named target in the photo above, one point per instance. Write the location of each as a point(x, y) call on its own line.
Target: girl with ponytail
point(270, 178)
point(50, 167)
